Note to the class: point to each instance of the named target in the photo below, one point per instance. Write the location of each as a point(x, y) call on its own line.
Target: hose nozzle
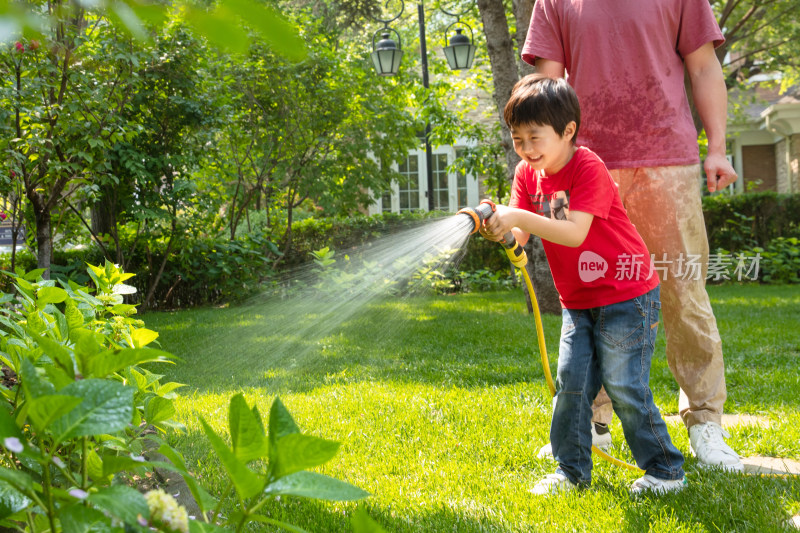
point(478, 214)
point(516, 254)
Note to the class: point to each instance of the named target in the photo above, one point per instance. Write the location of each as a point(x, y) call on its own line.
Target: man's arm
point(711, 100)
point(549, 67)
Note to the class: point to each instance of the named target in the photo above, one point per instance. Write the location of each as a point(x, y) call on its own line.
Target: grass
point(441, 406)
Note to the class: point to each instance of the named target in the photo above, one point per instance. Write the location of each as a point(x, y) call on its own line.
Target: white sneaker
point(552, 484)
point(658, 486)
point(708, 446)
point(601, 437)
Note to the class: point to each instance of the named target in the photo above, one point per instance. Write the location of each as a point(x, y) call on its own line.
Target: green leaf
point(33, 385)
point(363, 523)
point(274, 29)
point(247, 431)
point(300, 452)
point(8, 427)
point(17, 479)
point(73, 315)
point(158, 409)
point(44, 409)
point(33, 275)
point(107, 407)
point(77, 518)
point(220, 28)
point(86, 347)
point(247, 482)
point(111, 361)
point(281, 422)
point(117, 463)
point(11, 501)
point(122, 15)
point(50, 295)
point(57, 352)
point(121, 501)
point(317, 486)
point(204, 500)
point(143, 336)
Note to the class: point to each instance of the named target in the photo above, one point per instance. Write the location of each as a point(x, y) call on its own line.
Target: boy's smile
point(542, 148)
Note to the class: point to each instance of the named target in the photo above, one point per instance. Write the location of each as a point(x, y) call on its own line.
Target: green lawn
point(441, 406)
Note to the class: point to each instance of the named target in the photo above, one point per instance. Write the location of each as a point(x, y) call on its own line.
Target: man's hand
point(719, 172)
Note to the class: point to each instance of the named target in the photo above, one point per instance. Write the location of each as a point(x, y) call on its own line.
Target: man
point(626, 61)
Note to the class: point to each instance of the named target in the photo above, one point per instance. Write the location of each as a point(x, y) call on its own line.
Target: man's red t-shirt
point(613, 264)
point(624, 58)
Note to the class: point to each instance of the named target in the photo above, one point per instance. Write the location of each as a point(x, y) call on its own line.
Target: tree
point(67, 94)
point(323, 131)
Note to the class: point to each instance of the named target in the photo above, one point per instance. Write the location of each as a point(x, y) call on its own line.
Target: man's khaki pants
point(664, 205)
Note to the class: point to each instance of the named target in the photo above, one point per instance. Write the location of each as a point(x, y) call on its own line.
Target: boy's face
point(542, 148)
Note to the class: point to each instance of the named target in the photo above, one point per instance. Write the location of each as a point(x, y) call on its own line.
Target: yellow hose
point(546, 366)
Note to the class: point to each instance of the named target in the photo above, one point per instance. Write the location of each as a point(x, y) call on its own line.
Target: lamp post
point(387, 53)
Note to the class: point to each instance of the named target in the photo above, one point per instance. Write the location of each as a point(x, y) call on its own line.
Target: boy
point(608, 290)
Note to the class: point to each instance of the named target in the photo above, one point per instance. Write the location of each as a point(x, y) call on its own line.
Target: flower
point(19, 46)
point(165, 512)
point(78, 493)
point(13, 444)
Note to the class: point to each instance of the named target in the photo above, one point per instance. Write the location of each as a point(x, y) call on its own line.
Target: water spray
point(518, 257)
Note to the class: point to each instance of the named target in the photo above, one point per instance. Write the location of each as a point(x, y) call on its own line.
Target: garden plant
point(80, 411)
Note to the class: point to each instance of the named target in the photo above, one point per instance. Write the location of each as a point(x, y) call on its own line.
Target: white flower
point(13, 444)
point(78, 493)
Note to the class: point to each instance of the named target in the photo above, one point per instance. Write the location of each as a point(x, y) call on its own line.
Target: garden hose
point(518, 257)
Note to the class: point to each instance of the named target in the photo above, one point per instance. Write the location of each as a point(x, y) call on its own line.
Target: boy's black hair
point(539, 99)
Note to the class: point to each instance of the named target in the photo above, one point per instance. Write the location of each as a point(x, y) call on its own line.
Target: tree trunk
point(44, 241)
point(523, 9)
point(504, 68)
point(505, 72)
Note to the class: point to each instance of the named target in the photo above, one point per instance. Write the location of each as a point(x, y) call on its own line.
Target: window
point(461, 185)
point(409, 184)
point(441, 190)
point(386, 202)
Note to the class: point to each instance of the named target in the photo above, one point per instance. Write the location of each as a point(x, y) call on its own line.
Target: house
point(765, 144)
point(451, 191)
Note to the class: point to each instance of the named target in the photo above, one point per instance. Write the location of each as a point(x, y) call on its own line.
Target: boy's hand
point(498, 224)
point(488, 234)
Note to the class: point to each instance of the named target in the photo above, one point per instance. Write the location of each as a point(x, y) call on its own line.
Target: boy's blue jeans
point(612, 346)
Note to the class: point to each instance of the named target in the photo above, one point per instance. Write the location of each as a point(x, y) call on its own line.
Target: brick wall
point(759, 163)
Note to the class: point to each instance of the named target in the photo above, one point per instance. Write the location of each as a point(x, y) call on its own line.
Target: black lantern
point(386, 54)
point(461, 52)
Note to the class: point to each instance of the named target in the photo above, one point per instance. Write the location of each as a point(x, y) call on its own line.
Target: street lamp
point(387, 53)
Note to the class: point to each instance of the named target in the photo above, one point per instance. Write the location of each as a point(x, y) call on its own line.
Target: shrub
point(746, 220)
point(75, 403)
point(76, 413)
point(780, 261)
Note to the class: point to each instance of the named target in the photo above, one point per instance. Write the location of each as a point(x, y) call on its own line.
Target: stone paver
point(770, 465)
point(730, 420)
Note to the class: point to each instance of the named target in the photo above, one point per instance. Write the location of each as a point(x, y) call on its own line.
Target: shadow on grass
point(472, 340)
point(466, 341)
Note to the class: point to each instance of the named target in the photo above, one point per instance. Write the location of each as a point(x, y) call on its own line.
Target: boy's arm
point(570, 232)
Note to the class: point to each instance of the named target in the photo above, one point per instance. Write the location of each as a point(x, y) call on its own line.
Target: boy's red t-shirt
point(613, 264)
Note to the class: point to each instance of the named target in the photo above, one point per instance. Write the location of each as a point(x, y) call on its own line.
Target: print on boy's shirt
point(555, 206)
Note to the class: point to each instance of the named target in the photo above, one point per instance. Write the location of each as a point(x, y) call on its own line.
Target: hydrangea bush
point(77, 413)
